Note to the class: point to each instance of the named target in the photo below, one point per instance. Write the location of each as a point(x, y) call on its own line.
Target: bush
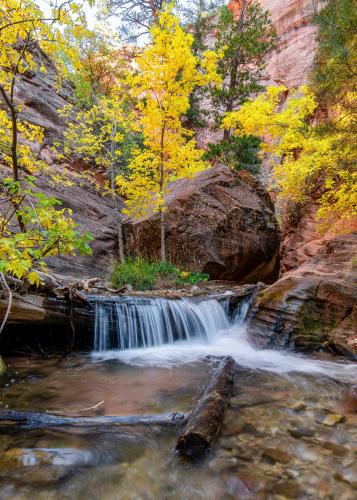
point(237, 153)
point(144, 275)
point(135, 272)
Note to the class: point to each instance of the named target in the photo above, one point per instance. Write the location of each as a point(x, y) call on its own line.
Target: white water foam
point(231, 341)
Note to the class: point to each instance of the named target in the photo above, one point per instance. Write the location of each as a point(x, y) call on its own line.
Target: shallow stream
point(290, 430)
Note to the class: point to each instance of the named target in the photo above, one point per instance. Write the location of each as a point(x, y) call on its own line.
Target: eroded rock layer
point(291, 62)
point(313, 306)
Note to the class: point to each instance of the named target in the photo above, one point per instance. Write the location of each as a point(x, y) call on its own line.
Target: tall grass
point(144, 275)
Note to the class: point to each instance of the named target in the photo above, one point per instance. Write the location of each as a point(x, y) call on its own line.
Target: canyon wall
point(292, 60)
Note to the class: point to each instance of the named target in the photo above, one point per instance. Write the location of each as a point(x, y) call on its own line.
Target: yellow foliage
point(90, 133)
point(304, 160)
point(167, 72)
point(31, 227)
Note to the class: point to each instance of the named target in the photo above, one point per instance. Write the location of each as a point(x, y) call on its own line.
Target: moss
point(315, 321)
point(276, 293)
point(2, 366)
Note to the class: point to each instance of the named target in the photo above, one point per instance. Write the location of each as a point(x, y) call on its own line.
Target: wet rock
point(252, 399)
point(232, 425)
point(349, 475)
point(220, 464)
point(41, 466)
point(313, 306)
point(298, 406)
point(289, 489)
point(251, 429)
point(299, 432)
point(229, 443)
point(333, 419)
point(277, 455)
point(306, 453)
point(336, 448)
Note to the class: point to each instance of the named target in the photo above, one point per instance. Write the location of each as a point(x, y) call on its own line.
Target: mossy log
point(204, 422)
point(35, 420)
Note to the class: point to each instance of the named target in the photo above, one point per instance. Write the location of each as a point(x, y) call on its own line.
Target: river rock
point(221, 223)
point(333, 419)
point(313, 306)
point(277, 455)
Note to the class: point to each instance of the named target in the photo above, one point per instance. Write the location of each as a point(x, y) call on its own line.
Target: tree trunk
point(234, 69)
point(119, 225)
point(162, 232)
point(204, 422)
point(36, 420)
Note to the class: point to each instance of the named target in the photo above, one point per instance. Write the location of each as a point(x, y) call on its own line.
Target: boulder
point(221, 223)
point(313, 306)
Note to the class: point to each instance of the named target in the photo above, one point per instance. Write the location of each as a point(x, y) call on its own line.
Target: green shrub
point(237, 153)
point(135, 272)
point(186, 278)
point(144, 275)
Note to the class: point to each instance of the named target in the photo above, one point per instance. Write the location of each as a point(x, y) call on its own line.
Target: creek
point(289, 432)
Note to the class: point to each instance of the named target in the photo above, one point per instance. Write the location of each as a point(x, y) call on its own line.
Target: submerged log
point(204, 422)
point(34, 420)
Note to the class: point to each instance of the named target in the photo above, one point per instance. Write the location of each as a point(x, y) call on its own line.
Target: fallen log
point(204, 422)
point(34, 420)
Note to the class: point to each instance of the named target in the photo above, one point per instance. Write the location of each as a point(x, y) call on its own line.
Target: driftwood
point(204, 422)
point(34, 420)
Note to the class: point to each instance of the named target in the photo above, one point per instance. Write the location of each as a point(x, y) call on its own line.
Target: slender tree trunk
point(162, 232)
point(12, 111)
point(162, 214)
point(234, 70)
point(119, 225)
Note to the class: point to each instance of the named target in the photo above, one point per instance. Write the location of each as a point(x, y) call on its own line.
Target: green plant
point(237, 153)
point(137, 272)
point(144, 275)
point(187, 278)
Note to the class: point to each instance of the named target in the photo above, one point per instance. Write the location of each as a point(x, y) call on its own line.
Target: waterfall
point(137, 322)
point(165, 332)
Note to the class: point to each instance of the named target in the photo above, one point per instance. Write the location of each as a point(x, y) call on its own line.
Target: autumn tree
point(101, 135)
point(102, 62)
point(31, 225)
point(304, 161)
point(167, 74)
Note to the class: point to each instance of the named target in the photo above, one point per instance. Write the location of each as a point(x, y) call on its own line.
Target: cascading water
point(165, 332)
point(131, 322)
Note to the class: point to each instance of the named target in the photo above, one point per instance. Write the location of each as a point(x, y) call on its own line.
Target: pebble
point(277, 455)
point(290, 489)
point(229, 443)
point(223, 463)
point(298, 432)
point(332, 419)
point(349, 475)
point(298, 406)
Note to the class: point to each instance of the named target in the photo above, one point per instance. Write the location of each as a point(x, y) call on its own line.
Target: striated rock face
point(41, 97)
point(91, 211)
point(313, 306)
point(221, 223)
point(40, 101)
point(293, 58)
point(301, 240)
